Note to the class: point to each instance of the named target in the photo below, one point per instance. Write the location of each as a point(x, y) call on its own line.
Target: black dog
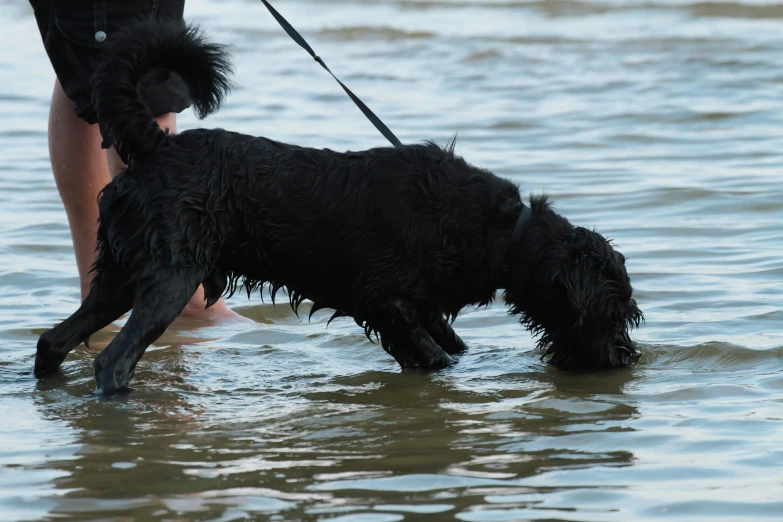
point(400, 239)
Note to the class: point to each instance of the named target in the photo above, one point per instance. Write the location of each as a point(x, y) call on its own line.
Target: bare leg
point(81, 170)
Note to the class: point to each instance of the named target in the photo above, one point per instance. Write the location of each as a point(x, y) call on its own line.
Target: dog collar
point(500, 265)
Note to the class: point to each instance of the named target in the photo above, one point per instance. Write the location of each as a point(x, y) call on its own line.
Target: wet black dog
point(400, 239)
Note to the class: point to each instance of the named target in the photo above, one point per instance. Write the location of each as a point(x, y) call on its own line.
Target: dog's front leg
point(446, 337)
point(396, 346)
point(408, 341)
point(428, 351)
point(414, 348)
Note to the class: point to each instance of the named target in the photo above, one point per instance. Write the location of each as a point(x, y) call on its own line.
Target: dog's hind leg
point(110, 296)
point(159, 301)
point(443, 334)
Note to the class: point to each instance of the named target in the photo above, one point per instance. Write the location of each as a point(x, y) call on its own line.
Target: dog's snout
point(624, 340)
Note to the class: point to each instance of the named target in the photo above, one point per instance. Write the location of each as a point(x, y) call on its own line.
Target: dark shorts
point(73, 32)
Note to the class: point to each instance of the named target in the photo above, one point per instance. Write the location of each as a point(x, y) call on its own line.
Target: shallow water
point(658, 122)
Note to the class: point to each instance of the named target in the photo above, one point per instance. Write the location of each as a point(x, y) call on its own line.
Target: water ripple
point(658, 122)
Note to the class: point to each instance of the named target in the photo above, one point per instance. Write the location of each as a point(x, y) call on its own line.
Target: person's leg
point(81, 170)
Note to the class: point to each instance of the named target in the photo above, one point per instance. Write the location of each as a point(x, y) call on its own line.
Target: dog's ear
point(573, 285)
point(576, 276)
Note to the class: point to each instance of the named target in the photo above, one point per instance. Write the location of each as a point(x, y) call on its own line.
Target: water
point(656, 122)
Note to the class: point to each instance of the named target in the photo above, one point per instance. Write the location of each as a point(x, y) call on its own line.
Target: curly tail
point(124, 119)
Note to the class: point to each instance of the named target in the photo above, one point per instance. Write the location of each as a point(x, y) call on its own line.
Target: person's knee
point(58, 95)
point(62, 111)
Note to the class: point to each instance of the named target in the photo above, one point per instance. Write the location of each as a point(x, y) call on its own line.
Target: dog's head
point(570, 286)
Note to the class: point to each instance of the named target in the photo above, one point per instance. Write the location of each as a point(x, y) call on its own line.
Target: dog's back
point(342, 229)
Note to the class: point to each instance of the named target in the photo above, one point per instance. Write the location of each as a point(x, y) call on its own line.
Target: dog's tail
point(139, 50)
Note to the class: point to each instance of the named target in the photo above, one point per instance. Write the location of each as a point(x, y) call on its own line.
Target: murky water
point(659, 122)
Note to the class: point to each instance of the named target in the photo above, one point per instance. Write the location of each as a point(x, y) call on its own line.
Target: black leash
point(375, 120)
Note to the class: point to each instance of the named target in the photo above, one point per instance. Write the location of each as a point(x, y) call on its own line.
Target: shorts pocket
point(80, 24)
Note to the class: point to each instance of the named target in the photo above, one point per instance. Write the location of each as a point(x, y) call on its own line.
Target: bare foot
point(194, 315)
point(217, 313)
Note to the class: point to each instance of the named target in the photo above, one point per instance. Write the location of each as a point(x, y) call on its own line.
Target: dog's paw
point(438, 362)
point(46, 365)
point(47, 359)
point(404, 359)
point(112, 376)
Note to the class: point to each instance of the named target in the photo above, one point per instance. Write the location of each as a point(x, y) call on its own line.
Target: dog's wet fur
point(400, 239)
